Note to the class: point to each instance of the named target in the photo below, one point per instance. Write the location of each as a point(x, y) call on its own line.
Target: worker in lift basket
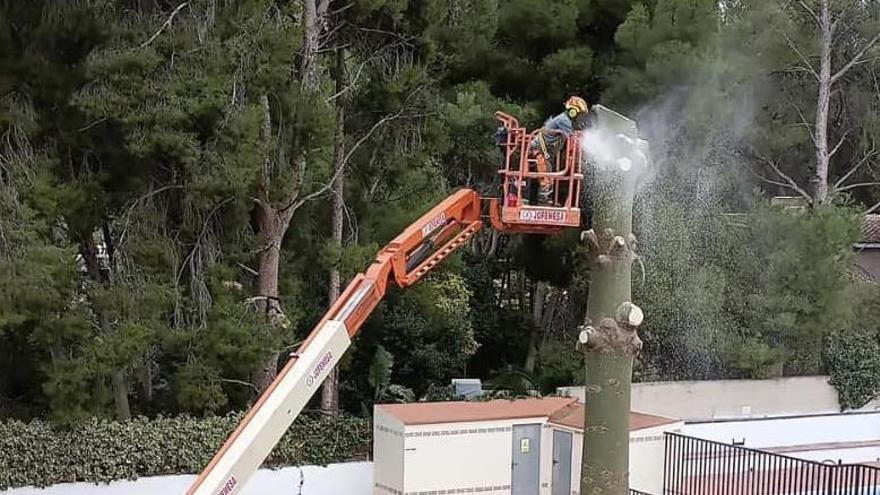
point(550, 139)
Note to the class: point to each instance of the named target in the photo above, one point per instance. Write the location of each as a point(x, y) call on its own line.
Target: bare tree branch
point(794, 48)
point(774, 182)
point(295, 203)
point(794, 185)
point(789, 182)
point(127, 214)
point(806, 124)
point(838, 145)
point(326, 187)
point(248, 269)
point(857, 185)
point(810, 10)
point(872, 209)
point(357, 75)
point(855, 168)
point(164, 25)
point(202, 232)
point(240, 382)
point(857, 58)
point(876, 84)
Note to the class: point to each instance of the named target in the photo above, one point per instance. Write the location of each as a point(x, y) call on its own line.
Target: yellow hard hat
point(576, 105)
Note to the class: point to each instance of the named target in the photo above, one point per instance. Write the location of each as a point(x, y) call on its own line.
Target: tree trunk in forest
point(120, 396)
point(537, 325)
point(609, 337)
point(88, 249)
point(823, 157)
point(274, 220)
point(330, 389)
point(829, 24)
point(273, 225)
point(145, 376)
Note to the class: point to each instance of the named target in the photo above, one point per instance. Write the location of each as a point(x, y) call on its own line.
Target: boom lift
point(403, 262)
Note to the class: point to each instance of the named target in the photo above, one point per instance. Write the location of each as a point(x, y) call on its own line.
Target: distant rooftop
point(421, 413)
point(870, 233)
point(562, 411)
point(572, 416)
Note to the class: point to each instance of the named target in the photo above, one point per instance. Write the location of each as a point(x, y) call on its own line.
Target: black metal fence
point(695, 466)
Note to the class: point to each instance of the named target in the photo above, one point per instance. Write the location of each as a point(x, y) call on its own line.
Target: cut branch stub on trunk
point(615, 335)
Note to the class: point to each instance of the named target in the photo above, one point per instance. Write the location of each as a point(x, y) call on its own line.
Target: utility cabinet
point(516, 447)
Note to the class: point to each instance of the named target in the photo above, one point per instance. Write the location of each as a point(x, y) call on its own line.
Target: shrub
point(41, 454)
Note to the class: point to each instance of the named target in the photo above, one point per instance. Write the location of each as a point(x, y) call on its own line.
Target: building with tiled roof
point(868, 249)
point(524, 446)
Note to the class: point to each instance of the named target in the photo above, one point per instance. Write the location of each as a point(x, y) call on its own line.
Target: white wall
point(849, 437)
point(856, 455)
point(388, 441)
point(646, 452)
point(781, 432)
point(355, 478)
point(646, 455)
point(448, 459)
point(695, 400)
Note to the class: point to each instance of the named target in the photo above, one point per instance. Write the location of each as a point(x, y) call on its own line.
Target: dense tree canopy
point(168, 169)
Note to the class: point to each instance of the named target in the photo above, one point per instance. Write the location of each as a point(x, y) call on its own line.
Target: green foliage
point(428, 331)
point(740, 285)
point(559, 365)
point(153, 145)
point(852, 361)
point(198, 388)
point(379, 374)
point(39, 454)
point(852, 356)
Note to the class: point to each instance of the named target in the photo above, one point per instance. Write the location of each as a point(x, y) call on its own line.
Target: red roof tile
point(563, 411)
point(572, 416)
point(422, 413)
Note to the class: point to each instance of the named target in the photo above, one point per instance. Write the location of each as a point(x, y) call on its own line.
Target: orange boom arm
point(404, 261)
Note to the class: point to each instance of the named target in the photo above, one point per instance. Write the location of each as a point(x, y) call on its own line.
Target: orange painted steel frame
point(513, 215)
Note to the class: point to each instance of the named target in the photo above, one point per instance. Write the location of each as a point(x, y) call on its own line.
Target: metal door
point(526, 470)
point(561, 463)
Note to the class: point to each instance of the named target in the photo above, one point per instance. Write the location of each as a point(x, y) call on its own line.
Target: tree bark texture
point(330, 389)
point(612, 341)
point(120, 396)
point(273, 225)
point(145, 377)
point(89, 251)
point(537, 325)
point(823, 156)
point(274, 220)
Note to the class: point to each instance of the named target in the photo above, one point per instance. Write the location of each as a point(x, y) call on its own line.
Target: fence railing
point(694, 466)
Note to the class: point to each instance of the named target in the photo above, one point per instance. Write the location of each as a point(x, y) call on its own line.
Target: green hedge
point(41, 454)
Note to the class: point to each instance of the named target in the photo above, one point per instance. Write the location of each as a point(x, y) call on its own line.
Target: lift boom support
point(405, 260)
